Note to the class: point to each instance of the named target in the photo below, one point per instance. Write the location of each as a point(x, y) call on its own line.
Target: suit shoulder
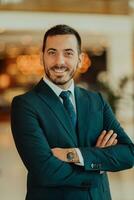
point(92, 95)
point(28, 96)
point(88, 92)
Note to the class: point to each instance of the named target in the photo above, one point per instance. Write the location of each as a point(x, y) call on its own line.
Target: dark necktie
point(69, 106)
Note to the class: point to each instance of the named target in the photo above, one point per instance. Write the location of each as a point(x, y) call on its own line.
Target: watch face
point(70, 156)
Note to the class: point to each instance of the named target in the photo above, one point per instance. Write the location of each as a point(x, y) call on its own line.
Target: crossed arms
point(106, 139)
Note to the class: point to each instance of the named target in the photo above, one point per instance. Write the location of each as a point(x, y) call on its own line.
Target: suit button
point(95, 166)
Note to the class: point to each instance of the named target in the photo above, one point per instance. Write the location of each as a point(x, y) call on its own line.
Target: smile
point(60, 70)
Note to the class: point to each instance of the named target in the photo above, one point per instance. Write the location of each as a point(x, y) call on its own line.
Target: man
point(67, 137)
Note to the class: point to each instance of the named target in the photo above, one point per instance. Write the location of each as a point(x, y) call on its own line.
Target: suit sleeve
point(36, 153)
point(112, 158)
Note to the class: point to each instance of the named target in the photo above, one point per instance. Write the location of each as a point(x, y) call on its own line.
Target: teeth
point(59, 70)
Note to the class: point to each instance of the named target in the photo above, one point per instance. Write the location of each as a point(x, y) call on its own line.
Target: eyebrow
point(53, 49)
point(69, 50)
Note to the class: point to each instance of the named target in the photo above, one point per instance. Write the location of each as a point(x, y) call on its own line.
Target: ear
point(84, 63)
point(81, 58)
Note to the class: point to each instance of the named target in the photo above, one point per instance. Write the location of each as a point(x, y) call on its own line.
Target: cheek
point(48, 63)
point(73, 62)
point(74, 65)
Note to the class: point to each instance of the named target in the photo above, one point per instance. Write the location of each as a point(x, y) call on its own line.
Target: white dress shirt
point(57, 90)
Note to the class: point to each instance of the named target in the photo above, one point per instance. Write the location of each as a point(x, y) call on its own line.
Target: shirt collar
point(57, 89)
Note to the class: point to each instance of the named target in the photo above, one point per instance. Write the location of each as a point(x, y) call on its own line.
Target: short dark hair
point(62, 29)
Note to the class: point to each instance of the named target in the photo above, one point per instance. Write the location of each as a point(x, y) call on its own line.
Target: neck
point(66, 85)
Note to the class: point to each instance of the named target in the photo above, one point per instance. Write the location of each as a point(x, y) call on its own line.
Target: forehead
point(67, 41)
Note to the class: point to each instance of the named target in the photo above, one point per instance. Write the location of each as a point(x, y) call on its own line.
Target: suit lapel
point(83, 107)
point(55, 105)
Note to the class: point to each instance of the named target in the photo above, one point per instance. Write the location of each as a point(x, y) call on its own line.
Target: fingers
point(100, 138)
point(111, 141)
point(107, 139)
point(115, 142)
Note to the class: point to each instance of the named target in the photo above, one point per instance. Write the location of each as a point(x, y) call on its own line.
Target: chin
point(60, 82)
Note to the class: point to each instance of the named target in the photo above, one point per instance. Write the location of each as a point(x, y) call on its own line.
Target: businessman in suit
point(67, 137)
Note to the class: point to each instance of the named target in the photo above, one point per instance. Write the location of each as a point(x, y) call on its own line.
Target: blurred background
point(107, 31)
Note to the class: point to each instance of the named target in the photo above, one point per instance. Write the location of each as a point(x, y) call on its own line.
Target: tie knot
point(65, 94)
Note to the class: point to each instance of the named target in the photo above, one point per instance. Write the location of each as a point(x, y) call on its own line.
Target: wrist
point(72, 156)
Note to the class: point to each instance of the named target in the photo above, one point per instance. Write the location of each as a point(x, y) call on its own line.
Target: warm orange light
point(12, 69)
point(29, 64)
point(4, 81)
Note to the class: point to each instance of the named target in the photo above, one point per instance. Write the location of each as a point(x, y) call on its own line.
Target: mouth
point(59, 70)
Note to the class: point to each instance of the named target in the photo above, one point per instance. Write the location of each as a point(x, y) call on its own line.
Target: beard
point(60, 79)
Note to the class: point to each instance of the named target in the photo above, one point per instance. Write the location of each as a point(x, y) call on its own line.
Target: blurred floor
point(13, 173)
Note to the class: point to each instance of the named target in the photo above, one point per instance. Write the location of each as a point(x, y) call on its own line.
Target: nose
point(60, 60)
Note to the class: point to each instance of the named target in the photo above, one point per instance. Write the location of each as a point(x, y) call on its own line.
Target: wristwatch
point(70, 156)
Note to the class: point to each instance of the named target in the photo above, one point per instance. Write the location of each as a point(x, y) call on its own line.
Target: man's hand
point(61, 153)
point(107, 139)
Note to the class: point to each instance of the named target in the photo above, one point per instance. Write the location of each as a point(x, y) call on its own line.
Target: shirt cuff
point(81, 163)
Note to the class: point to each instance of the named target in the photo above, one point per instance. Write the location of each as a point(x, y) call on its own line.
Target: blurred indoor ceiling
point(117, 7)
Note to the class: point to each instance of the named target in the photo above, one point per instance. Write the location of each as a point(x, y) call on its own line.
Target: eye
point(69, 53)
point(51, 52)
